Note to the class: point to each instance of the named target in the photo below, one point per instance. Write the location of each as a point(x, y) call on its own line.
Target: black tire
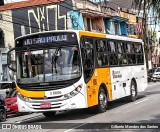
point(18, 113)
point(49, 114)
point(102, 101)
point(133, 92)
point(2, 115)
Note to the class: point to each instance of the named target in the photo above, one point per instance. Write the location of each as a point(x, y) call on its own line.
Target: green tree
point(145, 6)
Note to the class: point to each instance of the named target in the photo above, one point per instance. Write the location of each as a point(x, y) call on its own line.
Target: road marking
point(75, 127)
point(141, 101)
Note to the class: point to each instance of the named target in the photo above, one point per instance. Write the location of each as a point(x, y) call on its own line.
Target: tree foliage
point(146, 5)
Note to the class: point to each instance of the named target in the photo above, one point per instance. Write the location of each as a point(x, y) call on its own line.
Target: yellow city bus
point(63, 70)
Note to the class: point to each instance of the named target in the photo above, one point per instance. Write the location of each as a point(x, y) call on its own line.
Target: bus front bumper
point(35, 105)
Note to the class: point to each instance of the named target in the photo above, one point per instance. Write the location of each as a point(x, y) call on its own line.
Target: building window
point(93, 22)
point(116, 28)
point(2, 45)
point(132, 30)
point(88, 24)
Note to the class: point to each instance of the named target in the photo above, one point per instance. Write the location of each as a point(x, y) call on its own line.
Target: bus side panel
point(140, 74)
point(121, 79)
point(101, 75)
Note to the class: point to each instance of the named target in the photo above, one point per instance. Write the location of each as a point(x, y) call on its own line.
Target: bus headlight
point(74, 92)
point(23, 97)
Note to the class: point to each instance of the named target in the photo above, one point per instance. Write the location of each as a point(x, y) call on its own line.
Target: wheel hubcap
point(133, 91)
point(103, 100)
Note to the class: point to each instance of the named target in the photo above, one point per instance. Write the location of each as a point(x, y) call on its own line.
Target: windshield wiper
point(55, 57)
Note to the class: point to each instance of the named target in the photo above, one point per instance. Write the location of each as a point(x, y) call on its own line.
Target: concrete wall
point(132, 21)
point(6, 24)
point(41, 18)
point(85, 4)
point(12, 1)
point(131, 17)
point(76, 20)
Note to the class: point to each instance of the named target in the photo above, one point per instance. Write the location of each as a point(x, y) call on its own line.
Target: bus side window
point(131, 54)
point(128, 48)
point(121, 54)
point(139, 54)
point(102, 54)
point(113, 57)
point(100, 46)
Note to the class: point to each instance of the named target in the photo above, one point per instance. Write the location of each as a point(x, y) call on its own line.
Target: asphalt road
point(146, 109)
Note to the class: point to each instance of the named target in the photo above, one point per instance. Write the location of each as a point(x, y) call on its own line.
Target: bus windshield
point(48, 65)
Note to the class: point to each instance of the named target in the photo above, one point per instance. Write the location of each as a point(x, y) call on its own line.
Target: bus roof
point(88, 33)
point(125, 38)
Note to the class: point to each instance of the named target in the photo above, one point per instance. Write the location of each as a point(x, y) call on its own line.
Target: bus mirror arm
point(9, 61)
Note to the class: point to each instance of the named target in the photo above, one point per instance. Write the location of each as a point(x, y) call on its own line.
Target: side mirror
point(11, 64)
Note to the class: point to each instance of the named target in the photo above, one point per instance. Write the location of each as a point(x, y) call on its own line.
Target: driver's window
point(87, 53)
point(88, 57)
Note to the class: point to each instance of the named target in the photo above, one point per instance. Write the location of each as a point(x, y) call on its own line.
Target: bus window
point(133, 48)
point(128, 48)
point(131, 59)
point(139, 51)
point(102, 59)
point(112, 46)
point(113, 57)
point(119, 48)
point(138, 48)
point(131, 54)
point(121, 54)
point(125, 49)
point(102, 55)
point(140, 59)
point(88, 57)
point(88, 53)
point(100, 46)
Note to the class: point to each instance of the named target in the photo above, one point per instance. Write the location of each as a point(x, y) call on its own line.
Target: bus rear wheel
point(133, 91)
point(102, 101)
point(49, 114)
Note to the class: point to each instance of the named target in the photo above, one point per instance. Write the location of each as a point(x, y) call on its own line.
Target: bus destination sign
point(45, 39)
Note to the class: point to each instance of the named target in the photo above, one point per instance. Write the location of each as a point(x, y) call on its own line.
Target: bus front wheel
point(49, 114)
point(102, 101)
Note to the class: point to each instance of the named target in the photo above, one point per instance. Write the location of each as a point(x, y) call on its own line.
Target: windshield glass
point(48, 65)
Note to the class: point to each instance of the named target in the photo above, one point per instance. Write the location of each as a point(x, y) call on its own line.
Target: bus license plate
point(45, 105)
point(52, 93)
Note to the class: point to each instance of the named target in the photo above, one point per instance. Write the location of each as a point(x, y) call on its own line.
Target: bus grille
point(54, 105)
point(42, 88)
